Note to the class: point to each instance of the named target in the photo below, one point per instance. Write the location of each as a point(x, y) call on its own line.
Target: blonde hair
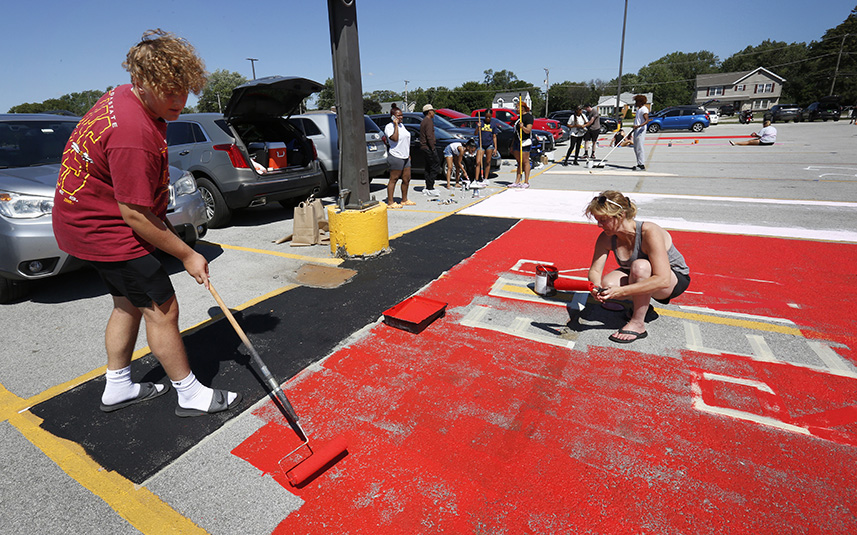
point(165, 64)
point(611, 203)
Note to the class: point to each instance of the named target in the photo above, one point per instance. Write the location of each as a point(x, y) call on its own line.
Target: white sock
point(195, 395)
point(119, 387)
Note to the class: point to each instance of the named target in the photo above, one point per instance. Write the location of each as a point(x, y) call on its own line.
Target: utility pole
point(547, 89)
point(621, 58)
point(253, 65)
point(406, 95)
point(836, 72)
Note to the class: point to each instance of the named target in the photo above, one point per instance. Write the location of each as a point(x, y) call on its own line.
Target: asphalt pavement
point(753, 217)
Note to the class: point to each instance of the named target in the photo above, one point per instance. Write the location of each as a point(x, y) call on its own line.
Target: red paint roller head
point(571, 285)
point(320, 458)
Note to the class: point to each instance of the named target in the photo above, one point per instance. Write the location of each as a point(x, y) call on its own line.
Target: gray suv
point(31, 147)
point(249, 155)
point(321, 128)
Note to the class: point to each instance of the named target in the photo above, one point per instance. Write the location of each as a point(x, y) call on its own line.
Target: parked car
point(383, 119)
point(785, 113)
point(691, 118)
point(450, 114)
point(713, 115)
point(507, 116)
point(31, 147)
point(727, 110)
point(250, 155)
point(608, 124)
point(825, 109)
point(321, 128)
point(507, 135)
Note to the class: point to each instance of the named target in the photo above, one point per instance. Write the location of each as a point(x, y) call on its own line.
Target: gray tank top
point(677, 262)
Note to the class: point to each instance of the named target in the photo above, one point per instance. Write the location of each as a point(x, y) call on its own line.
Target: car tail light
point(314, 151)
point(235, 156)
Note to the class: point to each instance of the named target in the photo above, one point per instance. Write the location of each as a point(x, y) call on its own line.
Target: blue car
point(691, 118)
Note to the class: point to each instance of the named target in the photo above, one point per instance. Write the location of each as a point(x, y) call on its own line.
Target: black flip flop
point(218, 404)
point(637, 336)
point(147, 392)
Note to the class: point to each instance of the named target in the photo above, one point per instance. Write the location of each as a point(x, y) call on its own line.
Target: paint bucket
point(545, 277)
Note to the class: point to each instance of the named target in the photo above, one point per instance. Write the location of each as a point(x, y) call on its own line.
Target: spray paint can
point(545, 277)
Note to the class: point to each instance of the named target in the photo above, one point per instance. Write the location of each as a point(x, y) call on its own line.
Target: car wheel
point(654, 128)
point(216, 211)
point(697, 127)
point(324, 187)
point(604, 129)
point(12, 290)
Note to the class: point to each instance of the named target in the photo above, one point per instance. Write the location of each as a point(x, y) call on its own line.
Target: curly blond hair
point(166, 64)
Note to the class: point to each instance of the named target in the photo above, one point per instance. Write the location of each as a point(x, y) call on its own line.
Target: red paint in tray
point(414, 313)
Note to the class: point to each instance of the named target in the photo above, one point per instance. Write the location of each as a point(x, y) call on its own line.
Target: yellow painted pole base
point(358, 233)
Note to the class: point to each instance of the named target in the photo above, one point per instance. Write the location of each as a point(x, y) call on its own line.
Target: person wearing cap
point(428, 145)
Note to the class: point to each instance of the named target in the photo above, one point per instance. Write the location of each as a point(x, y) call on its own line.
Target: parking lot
point(740, 406)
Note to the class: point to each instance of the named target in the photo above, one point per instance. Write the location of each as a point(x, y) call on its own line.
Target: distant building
point(387, 106)
point(607, 104)
point(758, 89)
point(509, 100)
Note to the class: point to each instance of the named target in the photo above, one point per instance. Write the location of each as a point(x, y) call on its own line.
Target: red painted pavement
point(464, 430)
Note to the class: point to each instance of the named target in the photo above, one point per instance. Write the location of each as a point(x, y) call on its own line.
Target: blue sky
point(53, 48)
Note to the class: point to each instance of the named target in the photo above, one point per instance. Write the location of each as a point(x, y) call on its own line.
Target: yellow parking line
point(702, 318)
point(329, 261)
point(137, 505)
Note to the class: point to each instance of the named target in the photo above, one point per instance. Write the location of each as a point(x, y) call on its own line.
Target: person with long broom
point(521, 147)
point(110, 211)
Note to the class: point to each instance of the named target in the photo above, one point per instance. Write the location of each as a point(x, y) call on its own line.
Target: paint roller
point(548, 282)
point(319, 457)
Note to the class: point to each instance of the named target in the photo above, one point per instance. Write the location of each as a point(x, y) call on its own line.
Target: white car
point(713, 115)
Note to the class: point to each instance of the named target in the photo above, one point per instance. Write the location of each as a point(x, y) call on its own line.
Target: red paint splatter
point(462, 430)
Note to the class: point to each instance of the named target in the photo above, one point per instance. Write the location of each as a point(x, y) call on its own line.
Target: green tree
point(371, 106)
point(787, 60)
point(385, 95)
point(672, 78)
point(837, 45)
point(326, 98)
point(500, 80)
point(217, 91)
point(76, 103)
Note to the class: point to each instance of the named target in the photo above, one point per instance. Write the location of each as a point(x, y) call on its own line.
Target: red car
point(549, 125)
point(450, 114)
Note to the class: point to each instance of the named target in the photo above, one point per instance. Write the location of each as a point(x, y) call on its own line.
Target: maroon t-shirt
point(117, 153)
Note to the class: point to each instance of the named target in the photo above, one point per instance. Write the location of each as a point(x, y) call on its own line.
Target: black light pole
point(621, 59)
point(253, 65)
point(348, 86)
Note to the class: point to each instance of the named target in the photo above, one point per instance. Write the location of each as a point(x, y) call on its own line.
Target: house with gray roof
point(509, 100)
point(756, 90)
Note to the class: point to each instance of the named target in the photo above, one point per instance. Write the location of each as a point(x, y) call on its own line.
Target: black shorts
point(680, 287)
point(141, 280)
point(591, 135)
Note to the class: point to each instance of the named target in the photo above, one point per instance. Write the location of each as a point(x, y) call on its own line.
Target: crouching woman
point(650, 266)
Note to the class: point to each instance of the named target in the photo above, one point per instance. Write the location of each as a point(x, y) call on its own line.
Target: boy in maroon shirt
point(110, 210)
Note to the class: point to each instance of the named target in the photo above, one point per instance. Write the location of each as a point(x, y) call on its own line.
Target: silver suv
point(321, 128)
point(250, 155)
point(31, 147)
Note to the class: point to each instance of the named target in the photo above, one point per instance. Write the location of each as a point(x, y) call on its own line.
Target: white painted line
point(830, 358)
point(568, 206)
point(761, 350)
point(475, 319)
point(758, 385)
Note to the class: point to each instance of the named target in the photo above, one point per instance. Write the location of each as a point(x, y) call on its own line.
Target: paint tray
point(414, 314)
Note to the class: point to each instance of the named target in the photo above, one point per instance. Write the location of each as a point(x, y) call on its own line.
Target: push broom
point(320, 457)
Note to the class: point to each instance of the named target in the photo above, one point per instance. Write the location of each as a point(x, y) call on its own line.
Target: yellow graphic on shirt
point(76, 159)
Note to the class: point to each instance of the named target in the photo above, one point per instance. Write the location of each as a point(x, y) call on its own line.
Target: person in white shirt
point(641, 120)
point(399, 159)
point(765, 137)
point(577, 124)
